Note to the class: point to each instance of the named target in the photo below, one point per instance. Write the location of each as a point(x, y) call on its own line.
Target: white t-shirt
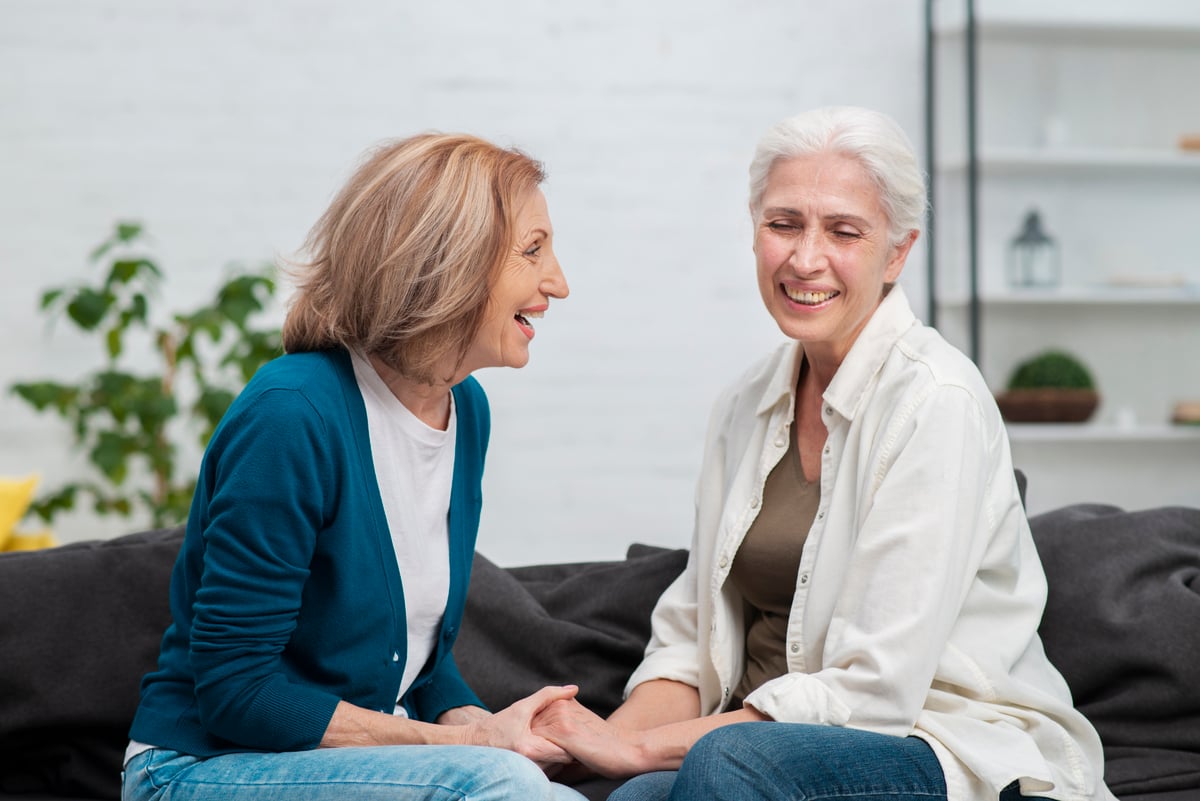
point(414, 465)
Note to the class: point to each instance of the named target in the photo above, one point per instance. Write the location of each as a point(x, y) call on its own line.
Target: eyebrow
point(787, 211)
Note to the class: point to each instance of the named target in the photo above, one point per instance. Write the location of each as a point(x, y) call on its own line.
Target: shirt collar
point(889, 322)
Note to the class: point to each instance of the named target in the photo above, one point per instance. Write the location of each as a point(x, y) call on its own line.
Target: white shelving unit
point(1080, 112)
point(1095, 433)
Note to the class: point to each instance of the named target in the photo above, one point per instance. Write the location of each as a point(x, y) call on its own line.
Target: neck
point(817, 373)
point(429, 402)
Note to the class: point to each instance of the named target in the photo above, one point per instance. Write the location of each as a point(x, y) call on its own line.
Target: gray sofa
point(80, 624)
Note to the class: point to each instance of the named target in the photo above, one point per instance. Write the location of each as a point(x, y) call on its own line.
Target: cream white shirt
point(919, 590)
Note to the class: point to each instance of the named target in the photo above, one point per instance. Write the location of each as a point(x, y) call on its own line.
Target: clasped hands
point(555, 731)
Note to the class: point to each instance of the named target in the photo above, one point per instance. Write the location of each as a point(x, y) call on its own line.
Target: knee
point(501, 774)
point(720, 760)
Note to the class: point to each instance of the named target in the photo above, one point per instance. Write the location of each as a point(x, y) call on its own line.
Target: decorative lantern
point(1033, 255)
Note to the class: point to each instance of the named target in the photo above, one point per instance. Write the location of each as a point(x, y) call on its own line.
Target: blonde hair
point(403, 261)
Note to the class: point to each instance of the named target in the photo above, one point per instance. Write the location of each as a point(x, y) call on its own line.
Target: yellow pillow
point(25, 541)
point(15, 496)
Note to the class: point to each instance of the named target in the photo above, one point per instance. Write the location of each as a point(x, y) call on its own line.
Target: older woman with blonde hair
point(858, 617)
point(323, 575)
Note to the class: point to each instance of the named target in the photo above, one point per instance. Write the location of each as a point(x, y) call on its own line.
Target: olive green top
point(764, 570)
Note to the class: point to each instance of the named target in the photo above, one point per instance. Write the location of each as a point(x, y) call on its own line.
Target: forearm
point(664, 747)
point(657, 703)
point(354, 726)
point(509, 728)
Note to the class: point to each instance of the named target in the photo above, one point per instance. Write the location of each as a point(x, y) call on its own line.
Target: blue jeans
point(767, 760)
point(764, 761)
point(395, 773)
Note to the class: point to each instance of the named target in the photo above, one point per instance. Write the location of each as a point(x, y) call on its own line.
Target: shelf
point(1105, 295)
point(1160, 22)
point(1040, 162)
point(1101, 433)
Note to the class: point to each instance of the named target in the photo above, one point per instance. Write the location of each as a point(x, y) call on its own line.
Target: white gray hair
point(872, 138)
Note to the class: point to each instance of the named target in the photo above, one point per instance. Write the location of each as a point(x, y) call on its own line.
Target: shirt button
point(395, 656)
point(726, 692)
point(828, 410)
point(803, 580)
point(820, 515)
point(826, 450)
point(795, 648)
point(780, 441)
point(754, 502)
point(724, 561)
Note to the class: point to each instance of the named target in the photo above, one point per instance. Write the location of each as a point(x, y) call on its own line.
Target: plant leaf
point(49, 297)
point(89, 307)
point(128, 231)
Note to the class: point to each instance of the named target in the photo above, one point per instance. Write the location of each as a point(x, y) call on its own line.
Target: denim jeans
point(396, 773)
point(765, 761)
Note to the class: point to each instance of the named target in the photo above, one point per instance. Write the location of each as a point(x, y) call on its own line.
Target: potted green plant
point(130, 414)
point(1051, 387)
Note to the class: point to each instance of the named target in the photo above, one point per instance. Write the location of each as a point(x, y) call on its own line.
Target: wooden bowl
point(1186, 413)
point(1048, 405)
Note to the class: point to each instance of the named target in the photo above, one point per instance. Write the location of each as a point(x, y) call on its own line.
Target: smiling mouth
point(525, 317)
point(809, 298)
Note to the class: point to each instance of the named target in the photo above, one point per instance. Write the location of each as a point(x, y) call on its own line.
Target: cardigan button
point(395, 656)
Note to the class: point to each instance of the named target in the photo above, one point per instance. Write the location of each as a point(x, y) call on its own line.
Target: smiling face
point(821, 245)
point(529, 277)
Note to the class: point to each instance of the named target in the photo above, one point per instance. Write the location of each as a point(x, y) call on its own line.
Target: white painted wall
point(226, 126)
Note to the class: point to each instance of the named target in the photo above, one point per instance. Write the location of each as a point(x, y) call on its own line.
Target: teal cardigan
point(286, 597)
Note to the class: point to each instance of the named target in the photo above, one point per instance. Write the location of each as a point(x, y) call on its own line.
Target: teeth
point(809, 298)
point(534, 314)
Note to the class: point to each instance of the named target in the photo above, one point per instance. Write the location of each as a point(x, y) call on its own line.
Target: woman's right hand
point(594, 742)
point(512, 728)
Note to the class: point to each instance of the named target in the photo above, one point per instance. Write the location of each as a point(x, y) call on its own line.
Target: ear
point(753, 229)
point(899, 254)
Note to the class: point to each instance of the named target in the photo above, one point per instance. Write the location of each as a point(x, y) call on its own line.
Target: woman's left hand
point(462, 715)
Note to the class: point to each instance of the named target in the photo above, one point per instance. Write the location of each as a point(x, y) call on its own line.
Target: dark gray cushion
point(80, 624)
point(581, 623)
point(1122, 623)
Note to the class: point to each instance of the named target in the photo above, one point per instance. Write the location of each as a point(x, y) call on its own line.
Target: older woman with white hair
point(863, 594)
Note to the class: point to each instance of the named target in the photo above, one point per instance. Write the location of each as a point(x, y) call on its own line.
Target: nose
point(808, 257)
point(554, 283)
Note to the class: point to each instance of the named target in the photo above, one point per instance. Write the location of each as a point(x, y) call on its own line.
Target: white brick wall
point(226, 126)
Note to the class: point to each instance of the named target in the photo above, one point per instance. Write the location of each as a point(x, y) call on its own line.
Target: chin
point(517, 360)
